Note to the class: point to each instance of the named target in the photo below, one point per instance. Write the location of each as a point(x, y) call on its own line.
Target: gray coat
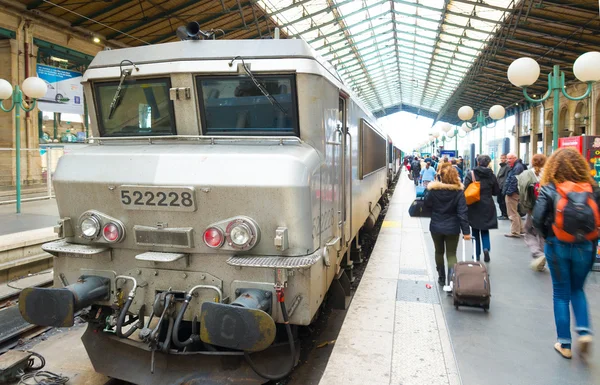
point(502, 174)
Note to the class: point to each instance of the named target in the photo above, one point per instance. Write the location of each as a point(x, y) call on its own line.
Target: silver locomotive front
point(215, 189)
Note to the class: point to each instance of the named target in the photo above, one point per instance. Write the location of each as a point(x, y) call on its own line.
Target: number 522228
point(157, 198)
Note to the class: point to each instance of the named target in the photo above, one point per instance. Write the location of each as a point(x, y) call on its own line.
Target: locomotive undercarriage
point(153, 325)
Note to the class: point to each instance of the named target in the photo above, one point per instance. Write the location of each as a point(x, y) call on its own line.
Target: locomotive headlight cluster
point(95, 226)
point(241, 233)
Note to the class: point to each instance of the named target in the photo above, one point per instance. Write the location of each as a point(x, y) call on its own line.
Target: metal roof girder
point(102, 11)
point(355, 43)
point(445, 23)
point(326, 9)
point(324, 37)
point(337, 31)
point(151, 19)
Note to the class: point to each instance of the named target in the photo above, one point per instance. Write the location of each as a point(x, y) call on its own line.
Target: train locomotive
point(220, 201)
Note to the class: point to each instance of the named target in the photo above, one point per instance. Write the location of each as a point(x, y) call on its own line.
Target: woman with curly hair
point(567, 171)
point(448, 218)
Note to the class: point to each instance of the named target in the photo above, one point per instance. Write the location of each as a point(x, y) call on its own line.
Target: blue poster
point(65, 92)
point(449, 153)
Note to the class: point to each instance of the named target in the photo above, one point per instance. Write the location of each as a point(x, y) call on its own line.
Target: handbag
point(473, 192)
point(419, 209)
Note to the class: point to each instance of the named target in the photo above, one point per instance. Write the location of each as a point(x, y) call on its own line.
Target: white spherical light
point(451, 134)
point(497, 112)
point(446, 127)
point(435, 134)
point(431, 138)
point(465, 127)
point(465, 113)
point(587, 67)
point(5, 89)
point(523, 72)
point(34, 87)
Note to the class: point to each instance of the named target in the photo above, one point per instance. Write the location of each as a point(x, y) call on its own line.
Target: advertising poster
point(451, 154)
point(65, 92)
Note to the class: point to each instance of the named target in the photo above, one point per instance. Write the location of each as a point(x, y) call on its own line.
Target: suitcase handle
point(464, 249)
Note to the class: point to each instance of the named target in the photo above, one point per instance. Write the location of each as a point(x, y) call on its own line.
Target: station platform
point(34, 215)
point(398, 331)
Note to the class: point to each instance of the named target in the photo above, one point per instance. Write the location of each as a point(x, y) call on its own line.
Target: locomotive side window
point(141, 108)
point(237, 106)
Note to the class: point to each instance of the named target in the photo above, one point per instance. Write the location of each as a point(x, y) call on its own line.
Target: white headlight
point(89, 227)
point(240, 234)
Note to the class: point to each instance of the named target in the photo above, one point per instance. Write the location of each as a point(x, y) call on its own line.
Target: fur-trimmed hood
point(444, 186)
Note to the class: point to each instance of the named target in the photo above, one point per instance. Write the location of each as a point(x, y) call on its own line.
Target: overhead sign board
point(448, 153)
point(65, 92)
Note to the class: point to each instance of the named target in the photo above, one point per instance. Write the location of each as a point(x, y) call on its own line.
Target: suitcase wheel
point(486, 307)
point(456, 304)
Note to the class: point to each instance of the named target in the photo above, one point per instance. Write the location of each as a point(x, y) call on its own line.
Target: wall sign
point(65, 92)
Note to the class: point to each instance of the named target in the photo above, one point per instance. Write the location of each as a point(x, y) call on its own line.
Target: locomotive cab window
point(140, 108)
point(238, 106)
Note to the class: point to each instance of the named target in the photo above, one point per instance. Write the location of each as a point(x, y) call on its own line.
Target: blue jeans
point(569, 265)
point(485, 239)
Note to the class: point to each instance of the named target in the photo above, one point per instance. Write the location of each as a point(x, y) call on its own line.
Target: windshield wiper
point(260, 87)
point(117, 98)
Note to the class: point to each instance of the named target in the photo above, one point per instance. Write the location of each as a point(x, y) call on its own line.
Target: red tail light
point(112, 232)
point(213, 237)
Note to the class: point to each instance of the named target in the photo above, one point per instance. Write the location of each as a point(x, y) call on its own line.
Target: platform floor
point(34, 215)
point(399, 332)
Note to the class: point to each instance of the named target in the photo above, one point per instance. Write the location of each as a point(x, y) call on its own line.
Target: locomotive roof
point(209, 50)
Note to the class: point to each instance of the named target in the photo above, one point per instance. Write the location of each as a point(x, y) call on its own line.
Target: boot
point(441, 275)
point(448, 288)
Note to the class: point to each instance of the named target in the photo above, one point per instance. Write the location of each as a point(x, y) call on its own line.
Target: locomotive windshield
point(237, 106)
point(143, 108)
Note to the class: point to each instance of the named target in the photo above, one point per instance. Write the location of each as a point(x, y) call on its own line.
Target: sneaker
point(566, 353)
point(539, 263)
point(448, 288)
point(513, 235)
point(583, 346)
point(503, 218)
point(486, 255)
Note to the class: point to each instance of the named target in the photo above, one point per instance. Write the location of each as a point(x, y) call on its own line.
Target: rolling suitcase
point(471, 283)
point(420, 191)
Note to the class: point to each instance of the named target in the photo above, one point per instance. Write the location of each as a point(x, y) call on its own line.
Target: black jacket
point(502, 174)
point(415, 167)
point(511, 185)
point(543, 211)
point(482, 214)
point(449, 209)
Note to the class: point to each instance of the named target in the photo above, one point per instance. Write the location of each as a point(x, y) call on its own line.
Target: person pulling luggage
point(482, 214)
point(566, 214)
point(427, 174)
point(449, 217)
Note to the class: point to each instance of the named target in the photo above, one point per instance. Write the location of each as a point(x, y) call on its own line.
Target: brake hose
point(288, 329)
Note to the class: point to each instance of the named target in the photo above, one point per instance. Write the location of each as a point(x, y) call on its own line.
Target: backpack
point(532, 191)
point(576, 216)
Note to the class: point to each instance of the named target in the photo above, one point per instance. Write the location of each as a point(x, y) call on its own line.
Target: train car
point(394, 161)
point(216, 208)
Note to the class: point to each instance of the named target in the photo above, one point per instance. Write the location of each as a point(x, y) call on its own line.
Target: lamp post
point(525, 71)
point(465, 113)
point(34, 88)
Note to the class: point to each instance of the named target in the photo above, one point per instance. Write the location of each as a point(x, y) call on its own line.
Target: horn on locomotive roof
point(192, 31)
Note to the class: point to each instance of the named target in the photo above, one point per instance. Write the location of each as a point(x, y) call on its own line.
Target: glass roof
point(398, 52)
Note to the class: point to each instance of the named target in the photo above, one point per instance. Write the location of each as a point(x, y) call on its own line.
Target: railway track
point(14, 330)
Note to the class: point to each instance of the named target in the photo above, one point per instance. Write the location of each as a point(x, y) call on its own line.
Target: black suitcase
point(471, 283)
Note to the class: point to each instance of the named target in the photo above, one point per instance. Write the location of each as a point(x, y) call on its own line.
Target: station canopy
point(428, 57)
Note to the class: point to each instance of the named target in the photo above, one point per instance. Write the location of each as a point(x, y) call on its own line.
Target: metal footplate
point(275, 262)
point(64, 248)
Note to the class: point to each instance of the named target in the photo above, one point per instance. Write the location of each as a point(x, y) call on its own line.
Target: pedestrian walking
point(415, 168)
point(454, 163)
point(511, 191)
point(427, 174)
point(529, 182)
point(502, 174)
point(571, 231)
point(448, 218)
point(482, 214)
